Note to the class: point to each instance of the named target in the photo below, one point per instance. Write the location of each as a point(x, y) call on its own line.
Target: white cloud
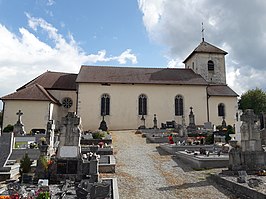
point(152, 11)
point(126, 55)
point(235, 26)
point(24, 56)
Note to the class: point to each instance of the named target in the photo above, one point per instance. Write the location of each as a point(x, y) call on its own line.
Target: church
point(127, 97)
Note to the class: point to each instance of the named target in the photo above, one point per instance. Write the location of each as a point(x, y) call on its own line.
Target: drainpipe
point(208, 111)
point(49, 111)
point(77, 100)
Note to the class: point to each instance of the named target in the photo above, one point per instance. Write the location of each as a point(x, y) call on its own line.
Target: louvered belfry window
point(210, 65)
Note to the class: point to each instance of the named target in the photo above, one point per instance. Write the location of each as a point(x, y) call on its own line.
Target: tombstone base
point(103, 126)
point(246, 160)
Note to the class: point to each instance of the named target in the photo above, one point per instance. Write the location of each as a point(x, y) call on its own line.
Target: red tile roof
point(221, 90)
point(54, 81)
point(33, 92)
point(205, 47)
point(130, 75)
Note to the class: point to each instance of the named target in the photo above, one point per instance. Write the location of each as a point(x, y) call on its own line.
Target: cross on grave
point(19, 114)
point(191, 117)
point(249, 117)
point(70, 130)
point(70, 119)
point(154, 122)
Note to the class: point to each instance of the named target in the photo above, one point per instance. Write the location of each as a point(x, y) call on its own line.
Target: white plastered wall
point(35, 113)
point(124, 104)
point(231, 108)
point(62, 111)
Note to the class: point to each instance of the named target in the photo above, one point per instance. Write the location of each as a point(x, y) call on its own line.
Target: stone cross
point(19, 127)
point(250, 134)
point(249, 117)
point(192, 126)
point(19, 113)
point(191, 117)
point(155, 122)
point(71, 119)
point(223, 123)
point(70, 131)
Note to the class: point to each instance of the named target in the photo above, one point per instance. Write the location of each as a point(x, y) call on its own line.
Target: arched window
point(179, 106)
point(210, 65)
point(105, 104)
point(142, 105)
point(221, 109)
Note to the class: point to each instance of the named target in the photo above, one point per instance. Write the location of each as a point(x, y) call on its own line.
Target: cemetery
point(245, 159)
point(70, 163)
point(60, 161)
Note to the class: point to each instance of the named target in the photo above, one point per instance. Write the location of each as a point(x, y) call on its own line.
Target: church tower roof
point(205, 47)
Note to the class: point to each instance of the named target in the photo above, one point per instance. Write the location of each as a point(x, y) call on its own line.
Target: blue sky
point(61, 35)
point(114, 25)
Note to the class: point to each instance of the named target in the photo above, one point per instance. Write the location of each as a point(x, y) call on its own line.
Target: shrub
point(98, 135)
point(209, 139)
point(25, 164)
point(8, 128)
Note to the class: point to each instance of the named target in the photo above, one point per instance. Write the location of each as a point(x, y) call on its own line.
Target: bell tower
point(208, 61)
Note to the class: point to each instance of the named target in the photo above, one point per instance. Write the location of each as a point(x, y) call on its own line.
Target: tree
point(25, 164)
point(253, 99)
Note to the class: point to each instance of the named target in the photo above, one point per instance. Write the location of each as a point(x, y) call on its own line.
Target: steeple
point(208, 61)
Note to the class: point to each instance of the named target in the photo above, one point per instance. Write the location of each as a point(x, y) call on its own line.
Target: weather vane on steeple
point(202, 31)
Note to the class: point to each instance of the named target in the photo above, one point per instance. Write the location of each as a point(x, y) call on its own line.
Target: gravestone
point(223, 123)
point(155, 122)
point(50, 136)
point(242, 176)
point(41, 171)
point(100, 190)
point(183, 128)
point(208, 125)
point(70, 131)
point(103, 125)
point(192, 126)
point(250, 155)
point(250, 134)
point(68, 158)
point(19, 126)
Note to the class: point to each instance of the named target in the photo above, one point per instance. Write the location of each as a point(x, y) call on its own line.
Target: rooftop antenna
point(202, 32)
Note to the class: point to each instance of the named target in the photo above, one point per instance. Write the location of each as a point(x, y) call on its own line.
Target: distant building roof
point(54, 81)
point(130, 75)
point(221, 90)
point(205, 47)
point(33, 92)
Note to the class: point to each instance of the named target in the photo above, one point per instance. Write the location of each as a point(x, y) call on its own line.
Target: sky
point(62, 35)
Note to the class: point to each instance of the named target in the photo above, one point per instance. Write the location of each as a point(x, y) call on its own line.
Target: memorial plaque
point(69, 151)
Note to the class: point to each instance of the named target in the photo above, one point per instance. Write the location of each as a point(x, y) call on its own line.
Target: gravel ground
point(143, 171)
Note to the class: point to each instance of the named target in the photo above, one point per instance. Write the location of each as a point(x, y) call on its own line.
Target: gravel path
point(144, 172)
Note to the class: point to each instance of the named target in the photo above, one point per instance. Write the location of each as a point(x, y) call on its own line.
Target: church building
point(126, 97)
